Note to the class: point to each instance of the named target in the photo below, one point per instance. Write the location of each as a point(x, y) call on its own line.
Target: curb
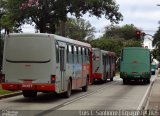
point(149, 94)
point(146, 98)
point(10, 95)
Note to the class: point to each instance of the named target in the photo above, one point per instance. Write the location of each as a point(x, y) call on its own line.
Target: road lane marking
point(75, 99)
point(145, 95)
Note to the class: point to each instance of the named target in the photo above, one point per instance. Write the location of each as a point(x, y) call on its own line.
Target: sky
point(144, 14)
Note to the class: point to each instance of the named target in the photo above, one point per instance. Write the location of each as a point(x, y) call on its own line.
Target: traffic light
point(140, 34)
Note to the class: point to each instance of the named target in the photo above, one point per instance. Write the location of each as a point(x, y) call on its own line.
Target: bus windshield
point(28, 49)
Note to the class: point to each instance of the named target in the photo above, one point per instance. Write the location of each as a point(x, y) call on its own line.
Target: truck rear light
point(2, 78)
point(53, 78)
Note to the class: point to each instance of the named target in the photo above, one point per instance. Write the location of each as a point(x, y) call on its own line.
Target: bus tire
point(67, 94)
point(85, 88)
point(111, 79)
point(148, 81)
point(29, 93)
point(105, 81)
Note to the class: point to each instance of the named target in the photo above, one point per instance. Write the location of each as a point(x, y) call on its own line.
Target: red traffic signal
point(138, 32)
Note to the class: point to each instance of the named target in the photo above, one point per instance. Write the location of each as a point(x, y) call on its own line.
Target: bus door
point(62, 64)
point(110, 66)
point(104, 66)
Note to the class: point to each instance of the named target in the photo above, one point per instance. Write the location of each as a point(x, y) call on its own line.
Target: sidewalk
point(154, 99)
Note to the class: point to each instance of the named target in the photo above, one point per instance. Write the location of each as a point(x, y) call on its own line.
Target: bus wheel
point(111, 79)
point(29, 93)
point(148, 81)
point(67, 94)
point(105, 81)
point(85, 88)
point(124, 81)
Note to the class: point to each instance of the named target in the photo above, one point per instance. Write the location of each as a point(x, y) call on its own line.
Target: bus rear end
point(27, 64)
point(97, 72)
point(135, 64)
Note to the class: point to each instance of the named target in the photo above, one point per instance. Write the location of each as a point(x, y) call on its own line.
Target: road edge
point(10, 95)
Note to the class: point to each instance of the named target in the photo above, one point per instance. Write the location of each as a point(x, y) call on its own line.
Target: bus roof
point(130, 48)
point(57, 37)
point(103, 51)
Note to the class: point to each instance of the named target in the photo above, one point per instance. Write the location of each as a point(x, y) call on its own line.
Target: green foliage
point(156, 52)
point(115, 38)
point(10, 17)
point(79, 29)
point(114, 44)
point(157, 37)
point(47, 14)
point(156, 42)
point(132, 43)
point(126, 32)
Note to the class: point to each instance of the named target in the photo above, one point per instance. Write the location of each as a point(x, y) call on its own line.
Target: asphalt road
point(108, 96)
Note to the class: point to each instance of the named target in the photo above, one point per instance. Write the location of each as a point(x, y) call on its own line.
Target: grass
point(3, 92)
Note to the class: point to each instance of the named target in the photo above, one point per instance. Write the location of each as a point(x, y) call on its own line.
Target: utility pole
point(1, 18)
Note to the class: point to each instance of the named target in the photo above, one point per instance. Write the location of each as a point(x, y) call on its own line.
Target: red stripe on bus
point(97, 75)
point(36, 87)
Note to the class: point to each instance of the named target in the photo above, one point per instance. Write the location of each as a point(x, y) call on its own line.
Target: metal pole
point(0, 19)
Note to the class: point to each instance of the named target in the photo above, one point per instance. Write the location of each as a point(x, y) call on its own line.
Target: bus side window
point(67, 51)
point(70, 54)
point(57, 52)
point(77, 55)
point(150, 58)
point(87, 55)
point(107, 59)
point(83, 55)
point(122, 55)
point(80, 55)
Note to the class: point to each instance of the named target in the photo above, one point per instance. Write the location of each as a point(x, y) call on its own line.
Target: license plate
point(27, 84)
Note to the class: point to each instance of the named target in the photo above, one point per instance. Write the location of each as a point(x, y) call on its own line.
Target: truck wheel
point(29, 93)
point(148, 81)
point(111, 79)
point(124, 81)
point(67, 94)
point(85, 88)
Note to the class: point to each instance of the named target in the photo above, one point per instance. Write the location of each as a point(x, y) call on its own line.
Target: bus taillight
point(2, 78)
point(53, 78)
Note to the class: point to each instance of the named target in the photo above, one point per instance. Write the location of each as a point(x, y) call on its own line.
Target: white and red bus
point(104, 65)
point(45, 63)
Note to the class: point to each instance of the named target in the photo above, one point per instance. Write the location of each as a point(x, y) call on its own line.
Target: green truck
point(135, 64)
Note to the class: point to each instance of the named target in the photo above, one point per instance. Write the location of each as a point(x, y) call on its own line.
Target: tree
point(47, 14)
point(126, 32)
point(114, 45)
point(156, 37)
point(108, 45)
point(9, 21)
point(78, 29)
